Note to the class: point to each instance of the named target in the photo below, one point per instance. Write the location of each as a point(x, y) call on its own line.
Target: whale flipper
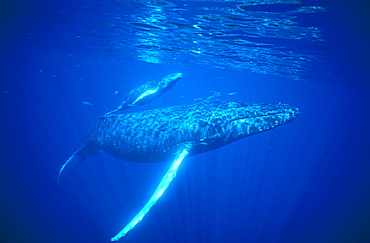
point(144, 95)
point(165, 182)
point(75, 160)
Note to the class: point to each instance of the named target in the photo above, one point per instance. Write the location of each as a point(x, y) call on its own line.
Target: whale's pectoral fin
point(183, 151)
point(144, 95)
point(75, 160)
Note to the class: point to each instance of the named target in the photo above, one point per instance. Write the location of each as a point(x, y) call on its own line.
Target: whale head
point(170, 80)
point(225, 122)
point(242, 120)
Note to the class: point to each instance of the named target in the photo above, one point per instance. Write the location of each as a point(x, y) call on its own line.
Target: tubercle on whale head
point(255, 118)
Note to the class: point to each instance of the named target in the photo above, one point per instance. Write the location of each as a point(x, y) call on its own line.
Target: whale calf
point(172, 133)
point(148, 92)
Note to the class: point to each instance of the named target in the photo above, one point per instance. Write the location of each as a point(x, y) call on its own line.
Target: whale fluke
point(75, 160)
point(114, 111)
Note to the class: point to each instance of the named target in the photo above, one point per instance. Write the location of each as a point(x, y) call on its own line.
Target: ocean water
point(64, 63)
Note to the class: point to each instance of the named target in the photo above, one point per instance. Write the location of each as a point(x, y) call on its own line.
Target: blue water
point(62, 63)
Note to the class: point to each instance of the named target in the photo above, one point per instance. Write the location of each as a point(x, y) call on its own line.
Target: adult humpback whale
point(148, 92)
point(173, 133)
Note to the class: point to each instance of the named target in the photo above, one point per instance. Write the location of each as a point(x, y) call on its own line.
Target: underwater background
point(65, 63)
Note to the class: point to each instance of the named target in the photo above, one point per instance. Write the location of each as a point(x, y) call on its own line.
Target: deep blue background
point(307, 181)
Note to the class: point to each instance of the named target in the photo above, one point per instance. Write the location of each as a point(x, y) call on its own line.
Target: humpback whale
point(148, 92)
point(172, 133)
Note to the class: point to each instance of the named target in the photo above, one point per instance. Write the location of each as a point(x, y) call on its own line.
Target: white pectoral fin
point(165, 182)
point(145, 94)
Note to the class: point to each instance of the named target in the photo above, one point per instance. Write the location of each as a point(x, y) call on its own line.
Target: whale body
point(173, 133)
point(148, 92)
point(157, 135)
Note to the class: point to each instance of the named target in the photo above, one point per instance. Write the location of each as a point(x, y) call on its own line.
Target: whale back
point(154, 135)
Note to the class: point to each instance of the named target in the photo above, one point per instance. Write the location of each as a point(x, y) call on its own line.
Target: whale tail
point(120, 108)
point(111, 112)
point(75, 160)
